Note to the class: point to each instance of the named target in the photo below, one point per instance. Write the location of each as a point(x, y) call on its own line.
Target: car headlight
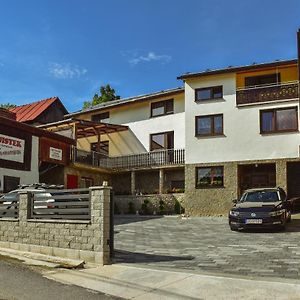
point(234, 213)
point(276, 213)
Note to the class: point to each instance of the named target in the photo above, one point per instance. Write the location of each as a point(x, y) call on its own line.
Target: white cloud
point(66, 71)
point(151, 56)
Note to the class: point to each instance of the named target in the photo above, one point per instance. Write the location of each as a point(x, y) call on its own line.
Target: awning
point(82, 128)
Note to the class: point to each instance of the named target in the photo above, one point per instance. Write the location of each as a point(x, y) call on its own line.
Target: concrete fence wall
point(87, 240)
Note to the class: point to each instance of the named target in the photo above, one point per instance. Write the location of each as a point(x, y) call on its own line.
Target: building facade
point(241, 132)
point(136, 144)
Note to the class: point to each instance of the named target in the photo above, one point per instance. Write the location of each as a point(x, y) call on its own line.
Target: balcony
point(145, 160)
point(267, 93)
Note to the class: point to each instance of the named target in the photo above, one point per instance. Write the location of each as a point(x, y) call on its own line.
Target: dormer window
point(161, 108)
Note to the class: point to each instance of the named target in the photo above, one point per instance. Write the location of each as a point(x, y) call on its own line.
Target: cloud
point(66, 71)
point(151, 56)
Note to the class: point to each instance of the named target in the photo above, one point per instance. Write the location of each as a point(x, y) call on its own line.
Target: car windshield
point(9, 197)
point(260, 196)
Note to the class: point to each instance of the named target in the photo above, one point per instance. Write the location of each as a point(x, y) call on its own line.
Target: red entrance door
point(72, 181)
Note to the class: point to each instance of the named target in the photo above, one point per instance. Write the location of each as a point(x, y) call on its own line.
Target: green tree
point(107, 93)
point(7, 105)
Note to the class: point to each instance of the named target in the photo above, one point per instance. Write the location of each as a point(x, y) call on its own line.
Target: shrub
point(178, 208)
point(161, 206)
point(131, 208)
point(145, 208)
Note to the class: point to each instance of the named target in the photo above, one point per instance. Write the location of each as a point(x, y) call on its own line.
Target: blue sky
point(68, 48)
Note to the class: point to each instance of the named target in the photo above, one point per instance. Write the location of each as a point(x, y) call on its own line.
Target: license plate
point(253, 221)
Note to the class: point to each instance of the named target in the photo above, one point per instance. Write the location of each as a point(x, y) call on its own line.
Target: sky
point(69, 48)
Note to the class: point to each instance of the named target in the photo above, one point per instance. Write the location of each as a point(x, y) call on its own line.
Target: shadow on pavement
point(126, 219)
point(121, 256)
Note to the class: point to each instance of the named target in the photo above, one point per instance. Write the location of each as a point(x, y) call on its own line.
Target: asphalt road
point(18, 281)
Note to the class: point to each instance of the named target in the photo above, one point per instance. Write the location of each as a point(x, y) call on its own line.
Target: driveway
point(206, 244)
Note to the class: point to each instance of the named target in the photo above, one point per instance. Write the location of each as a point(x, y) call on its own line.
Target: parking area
point(206, 244)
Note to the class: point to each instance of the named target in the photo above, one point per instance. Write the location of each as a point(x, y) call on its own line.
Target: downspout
point(298, 45)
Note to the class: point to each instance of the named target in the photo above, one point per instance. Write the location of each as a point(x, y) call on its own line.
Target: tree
point(107, 93)
point(7, 105)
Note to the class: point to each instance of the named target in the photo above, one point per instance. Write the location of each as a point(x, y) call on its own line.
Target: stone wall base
point(218, 201)
point(86, 256)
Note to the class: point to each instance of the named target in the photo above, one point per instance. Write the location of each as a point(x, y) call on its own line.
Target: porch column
point(133, 190)
point(161, 181)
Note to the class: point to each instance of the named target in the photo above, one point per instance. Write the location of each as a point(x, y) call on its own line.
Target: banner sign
point(56, 153)
point(12, 148)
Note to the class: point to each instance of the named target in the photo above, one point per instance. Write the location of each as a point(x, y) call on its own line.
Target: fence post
point(100, 218)
point(24, 206)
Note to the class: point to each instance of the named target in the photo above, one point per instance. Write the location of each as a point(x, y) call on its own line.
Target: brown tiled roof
point(31, 111)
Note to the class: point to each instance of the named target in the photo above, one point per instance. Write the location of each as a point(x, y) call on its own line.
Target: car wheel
point(233, 228)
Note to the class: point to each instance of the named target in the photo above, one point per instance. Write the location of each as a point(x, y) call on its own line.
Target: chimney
point(5, 113)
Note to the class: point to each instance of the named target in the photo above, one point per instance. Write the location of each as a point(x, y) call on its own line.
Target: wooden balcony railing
point(133, 161)
point(267, 93)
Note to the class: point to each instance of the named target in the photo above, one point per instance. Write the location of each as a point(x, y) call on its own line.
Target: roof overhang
point(84, 128)
point(252, 67)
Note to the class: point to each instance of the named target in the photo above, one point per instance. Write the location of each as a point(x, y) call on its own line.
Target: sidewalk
point(141, 283)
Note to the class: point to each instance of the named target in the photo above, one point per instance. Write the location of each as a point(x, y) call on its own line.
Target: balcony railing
point(132, 161)
point(267, 93)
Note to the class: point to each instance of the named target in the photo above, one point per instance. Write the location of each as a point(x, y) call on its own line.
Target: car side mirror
point(235, 201)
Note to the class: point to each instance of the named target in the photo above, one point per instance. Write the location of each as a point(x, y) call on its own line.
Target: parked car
point(265, 207)
point(9, 201)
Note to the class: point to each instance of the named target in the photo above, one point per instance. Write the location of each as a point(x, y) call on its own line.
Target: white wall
point(141, 125)
point(242, 139)
point(26, 177)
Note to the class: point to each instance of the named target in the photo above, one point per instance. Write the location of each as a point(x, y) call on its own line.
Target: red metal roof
point(31, 111)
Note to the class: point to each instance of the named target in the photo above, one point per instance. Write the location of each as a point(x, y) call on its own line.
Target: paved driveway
point(207, 245)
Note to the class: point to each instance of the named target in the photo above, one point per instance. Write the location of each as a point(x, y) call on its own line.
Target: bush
point(131, 208)
point(145, 208)
point(161, 206)
point(178, 208)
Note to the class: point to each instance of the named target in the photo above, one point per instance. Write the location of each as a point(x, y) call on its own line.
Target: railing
point(71, 204)
point(142, 160)
point(9, 208)
point(267, 93)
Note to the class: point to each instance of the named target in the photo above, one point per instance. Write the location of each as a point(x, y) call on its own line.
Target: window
point(279, 120)
point(209, 177)
point(209, 125)
point(215, 92)
point(86, 182)
point(162, 108)
point(262, 79)
point(10, 183)
point(103, 117)
point(160, 141)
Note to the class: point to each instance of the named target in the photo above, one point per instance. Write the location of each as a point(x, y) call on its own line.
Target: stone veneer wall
point(218, 201)
point(122, 202)
point(86, 240)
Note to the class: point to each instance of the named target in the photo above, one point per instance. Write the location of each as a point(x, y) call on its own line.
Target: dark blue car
point(260, 208)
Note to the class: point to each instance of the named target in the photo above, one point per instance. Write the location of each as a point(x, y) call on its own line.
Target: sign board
point(12, 148)
point(55, 153)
